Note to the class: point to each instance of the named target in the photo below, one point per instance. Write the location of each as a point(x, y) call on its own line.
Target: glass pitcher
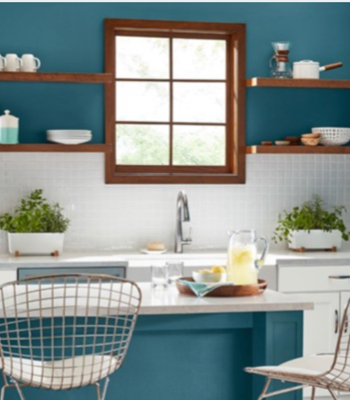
point(242, 260)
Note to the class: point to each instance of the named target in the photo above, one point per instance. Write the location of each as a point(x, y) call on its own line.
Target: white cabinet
point(329, 288)
point(320, 324)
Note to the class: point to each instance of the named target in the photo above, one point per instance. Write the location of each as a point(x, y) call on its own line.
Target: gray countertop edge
point(210, 309)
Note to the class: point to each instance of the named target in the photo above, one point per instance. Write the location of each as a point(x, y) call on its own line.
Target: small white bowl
point(212, 277)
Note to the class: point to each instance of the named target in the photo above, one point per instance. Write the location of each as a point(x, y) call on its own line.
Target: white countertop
point(170, 301)
point(192, 258)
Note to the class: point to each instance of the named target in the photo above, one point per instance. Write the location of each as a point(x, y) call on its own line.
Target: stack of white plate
point(68, 136)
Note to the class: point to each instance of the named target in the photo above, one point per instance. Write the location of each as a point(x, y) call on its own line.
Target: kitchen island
point(192, 348)
point(184, 347)
point(189, 348)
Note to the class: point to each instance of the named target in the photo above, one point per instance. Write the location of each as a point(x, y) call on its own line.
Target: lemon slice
point(242, 257)
point(218, 269)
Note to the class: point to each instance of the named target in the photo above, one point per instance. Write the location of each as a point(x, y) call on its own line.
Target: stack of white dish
point(68, 136)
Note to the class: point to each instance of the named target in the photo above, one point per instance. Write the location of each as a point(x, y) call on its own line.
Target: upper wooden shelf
point(63, 77)
point(298, 150)
point(299, 83)
point(53, 148)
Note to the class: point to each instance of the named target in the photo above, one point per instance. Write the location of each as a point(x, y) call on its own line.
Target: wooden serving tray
point(226, 291)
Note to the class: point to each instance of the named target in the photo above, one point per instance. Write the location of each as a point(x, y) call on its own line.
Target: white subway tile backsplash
point(127, 216)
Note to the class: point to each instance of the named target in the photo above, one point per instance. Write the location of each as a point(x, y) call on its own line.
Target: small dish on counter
point(282, 142)
point(310, 141)
point(293, 140)
point(154, 252)
point(311, 135)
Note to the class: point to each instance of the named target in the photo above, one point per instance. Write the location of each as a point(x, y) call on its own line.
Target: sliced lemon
point(242, 256)
point(217, 269)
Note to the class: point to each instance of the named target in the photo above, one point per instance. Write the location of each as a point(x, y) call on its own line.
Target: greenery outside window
point(175, 113)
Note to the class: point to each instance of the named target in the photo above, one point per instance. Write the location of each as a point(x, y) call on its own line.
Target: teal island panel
point(197, 357)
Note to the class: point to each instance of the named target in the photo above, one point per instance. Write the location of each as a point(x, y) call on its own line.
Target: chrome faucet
point(182, 215)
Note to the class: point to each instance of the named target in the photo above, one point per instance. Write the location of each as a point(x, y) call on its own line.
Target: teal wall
point(69, 38)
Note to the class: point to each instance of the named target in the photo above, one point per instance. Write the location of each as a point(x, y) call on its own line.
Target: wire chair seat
point(325, 371)
point(65, 331)
point(77, 372)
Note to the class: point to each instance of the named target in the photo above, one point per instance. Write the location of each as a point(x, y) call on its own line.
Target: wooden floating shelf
point(53, 148)
point(298, 150)
point(62, 77)
point(299, 83)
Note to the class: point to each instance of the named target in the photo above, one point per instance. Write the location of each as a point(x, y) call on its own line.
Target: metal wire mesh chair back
point(340, 371)
point(65, 331)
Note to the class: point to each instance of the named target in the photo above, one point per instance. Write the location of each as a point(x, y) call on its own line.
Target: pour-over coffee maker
point(279, 62)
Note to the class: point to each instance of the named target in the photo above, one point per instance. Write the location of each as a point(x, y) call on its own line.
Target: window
point(175, 113)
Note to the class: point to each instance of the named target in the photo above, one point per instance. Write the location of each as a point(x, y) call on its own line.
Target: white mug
point(30, 63)
point(2, 63)
point(13, 62)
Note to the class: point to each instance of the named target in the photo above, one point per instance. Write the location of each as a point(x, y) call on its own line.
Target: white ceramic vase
point(35, 243)
point(315, 239)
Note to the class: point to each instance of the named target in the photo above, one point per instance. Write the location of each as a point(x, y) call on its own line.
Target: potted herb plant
point(312, 226)
point(36, 227)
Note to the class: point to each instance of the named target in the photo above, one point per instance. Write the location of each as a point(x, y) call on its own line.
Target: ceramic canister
point(8, 128)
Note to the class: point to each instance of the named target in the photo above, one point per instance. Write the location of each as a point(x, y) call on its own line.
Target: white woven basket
point(331, 136)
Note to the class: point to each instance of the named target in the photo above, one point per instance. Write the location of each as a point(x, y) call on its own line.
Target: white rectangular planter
point(35, 243)
point(315, 239)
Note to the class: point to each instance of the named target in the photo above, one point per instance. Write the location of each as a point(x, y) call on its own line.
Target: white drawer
point(313, 279)
point(7, 276)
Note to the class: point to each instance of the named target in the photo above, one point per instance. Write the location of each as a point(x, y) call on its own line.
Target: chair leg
point(313, 393)
point(98, 389)
point(105, 388)
point(265, 395)
point(19, 390)
point(2, 395)
point(332, 394)
point(267, 384)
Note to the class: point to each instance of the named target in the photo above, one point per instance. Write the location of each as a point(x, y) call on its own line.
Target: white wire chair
point(325, 371)
point(65, 331)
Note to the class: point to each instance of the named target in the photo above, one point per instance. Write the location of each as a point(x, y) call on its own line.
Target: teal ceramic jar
point(8, 129)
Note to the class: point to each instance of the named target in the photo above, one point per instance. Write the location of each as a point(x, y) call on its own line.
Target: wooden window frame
point(234, 171)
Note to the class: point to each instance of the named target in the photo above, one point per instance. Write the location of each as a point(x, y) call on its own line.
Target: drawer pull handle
point(339, 277)
point(336, 321)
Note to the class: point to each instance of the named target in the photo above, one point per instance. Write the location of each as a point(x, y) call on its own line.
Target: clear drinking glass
point(175, 270)
point(160, 275)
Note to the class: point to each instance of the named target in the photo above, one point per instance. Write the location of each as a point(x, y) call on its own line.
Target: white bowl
point(211, 277)
point(333, 136)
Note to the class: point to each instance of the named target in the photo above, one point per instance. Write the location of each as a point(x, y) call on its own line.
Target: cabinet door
point(320, 334)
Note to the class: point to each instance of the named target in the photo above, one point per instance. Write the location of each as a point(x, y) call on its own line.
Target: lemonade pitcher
point(242, 259)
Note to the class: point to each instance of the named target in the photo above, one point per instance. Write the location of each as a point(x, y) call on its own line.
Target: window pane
point(199, 102)
point(199, 145)
point(142, 101)
point(199, 59)
point(142, 57)
point(142, 144)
